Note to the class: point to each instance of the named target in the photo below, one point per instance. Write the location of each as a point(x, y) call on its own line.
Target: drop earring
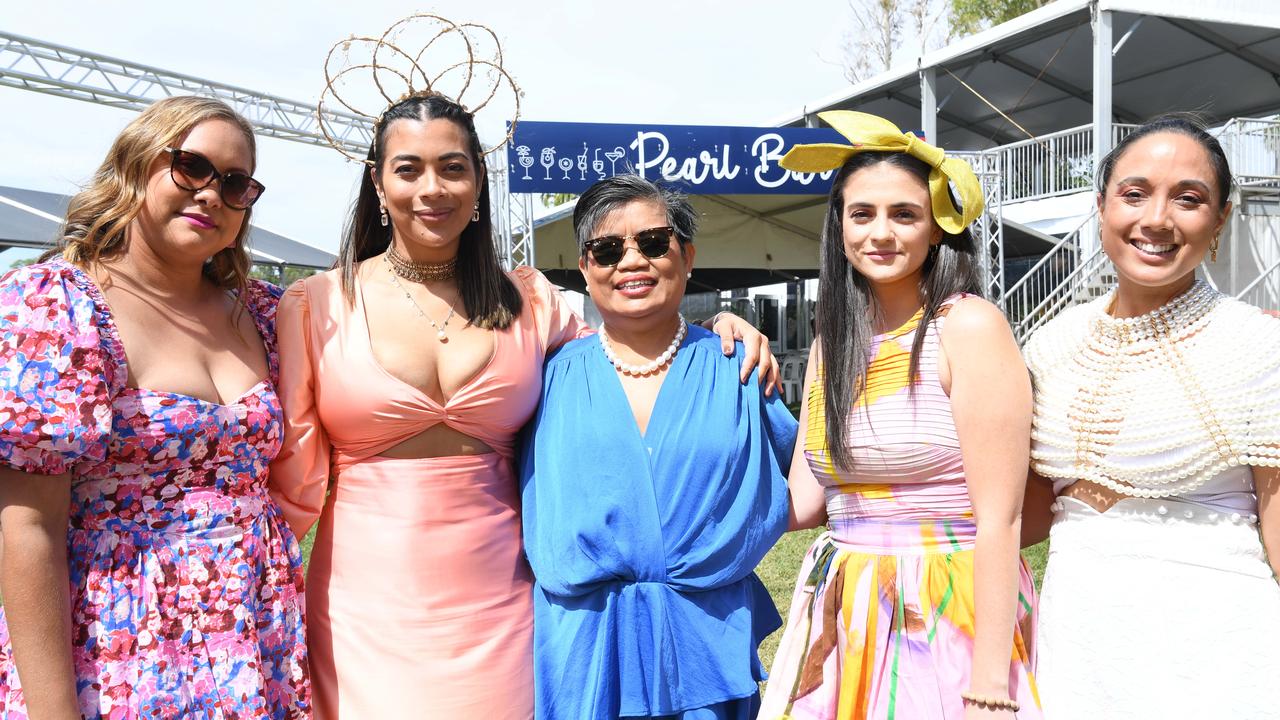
point(1213, 250)
point(475, 214)
point(382, 211)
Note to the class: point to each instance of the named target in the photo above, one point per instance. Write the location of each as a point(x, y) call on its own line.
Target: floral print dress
point(186, 584)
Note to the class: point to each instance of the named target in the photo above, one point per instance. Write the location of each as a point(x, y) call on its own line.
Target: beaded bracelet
point(990, 702)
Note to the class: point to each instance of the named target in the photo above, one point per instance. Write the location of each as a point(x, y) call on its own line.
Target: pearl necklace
point(1157, 405)
point(651, 367)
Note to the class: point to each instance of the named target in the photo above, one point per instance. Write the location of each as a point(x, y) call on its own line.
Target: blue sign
point(555, 157)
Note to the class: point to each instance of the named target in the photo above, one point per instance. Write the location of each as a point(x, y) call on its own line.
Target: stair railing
point(1263, 291)
point(1050, 284)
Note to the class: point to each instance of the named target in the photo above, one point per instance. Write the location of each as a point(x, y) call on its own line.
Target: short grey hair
point(615, 192)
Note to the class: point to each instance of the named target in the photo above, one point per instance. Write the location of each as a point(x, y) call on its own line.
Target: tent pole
point(929, 104)
point(1102, 55)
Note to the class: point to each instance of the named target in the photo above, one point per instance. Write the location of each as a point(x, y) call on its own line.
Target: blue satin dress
point(644, 547)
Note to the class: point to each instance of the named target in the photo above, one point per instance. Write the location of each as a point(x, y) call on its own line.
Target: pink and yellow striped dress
point(882, 619)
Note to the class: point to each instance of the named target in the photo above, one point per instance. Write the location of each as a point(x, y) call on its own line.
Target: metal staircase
point(1066, 276)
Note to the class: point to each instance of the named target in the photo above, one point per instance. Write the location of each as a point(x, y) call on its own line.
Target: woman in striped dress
point(916, 421)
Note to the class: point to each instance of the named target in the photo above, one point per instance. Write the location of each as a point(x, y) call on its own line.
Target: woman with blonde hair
point(146, 572)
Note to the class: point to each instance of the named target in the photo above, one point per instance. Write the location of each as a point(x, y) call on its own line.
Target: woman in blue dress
point(653, 483)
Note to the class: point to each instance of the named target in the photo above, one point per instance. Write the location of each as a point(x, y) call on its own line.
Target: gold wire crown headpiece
point(394, 68)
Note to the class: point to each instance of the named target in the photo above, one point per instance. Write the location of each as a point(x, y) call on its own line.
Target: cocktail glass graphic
point(614, 155)
point(548, 160)
point(582, 163)
point(526, 160)
point(566, 164)
point(598, 165)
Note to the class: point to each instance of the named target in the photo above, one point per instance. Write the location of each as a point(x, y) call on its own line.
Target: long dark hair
point(846, 304)
point(490, 298)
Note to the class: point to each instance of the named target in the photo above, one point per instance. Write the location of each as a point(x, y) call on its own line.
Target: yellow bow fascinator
point(871, 133)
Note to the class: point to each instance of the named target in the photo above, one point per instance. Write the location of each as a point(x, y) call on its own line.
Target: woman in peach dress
point(407, 373)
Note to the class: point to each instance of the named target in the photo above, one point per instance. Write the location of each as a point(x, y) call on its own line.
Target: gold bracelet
point(989, 701)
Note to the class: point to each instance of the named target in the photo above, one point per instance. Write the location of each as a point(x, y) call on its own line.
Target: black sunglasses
point(608, 250)
point(193, 172)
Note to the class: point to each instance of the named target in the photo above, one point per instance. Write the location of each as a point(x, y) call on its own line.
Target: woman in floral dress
point(137, 420)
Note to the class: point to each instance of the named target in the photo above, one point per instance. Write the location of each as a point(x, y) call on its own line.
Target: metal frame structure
point(30, 64)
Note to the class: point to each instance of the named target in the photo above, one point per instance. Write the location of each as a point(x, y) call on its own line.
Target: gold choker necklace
point(420, 272)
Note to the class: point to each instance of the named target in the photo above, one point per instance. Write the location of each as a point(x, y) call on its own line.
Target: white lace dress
point(1163, 606)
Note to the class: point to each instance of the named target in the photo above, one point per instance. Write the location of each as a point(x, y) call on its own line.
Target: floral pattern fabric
point(186, 584)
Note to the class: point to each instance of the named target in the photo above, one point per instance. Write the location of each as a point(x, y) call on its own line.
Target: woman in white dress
point(1157, 422)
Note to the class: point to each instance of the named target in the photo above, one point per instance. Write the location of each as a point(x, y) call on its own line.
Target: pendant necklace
point(440, 329)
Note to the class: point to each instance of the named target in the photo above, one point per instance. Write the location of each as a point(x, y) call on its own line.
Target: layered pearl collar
point(1175, 320)
point(1156, 405)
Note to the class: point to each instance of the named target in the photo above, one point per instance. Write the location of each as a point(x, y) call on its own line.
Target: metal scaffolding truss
point(988, 229)
point(512, 216)
point(30, 64)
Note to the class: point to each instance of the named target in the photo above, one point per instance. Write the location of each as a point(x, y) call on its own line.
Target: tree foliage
point(880, 31)
point(970, 16)
point(278, 276)
point(881, 28)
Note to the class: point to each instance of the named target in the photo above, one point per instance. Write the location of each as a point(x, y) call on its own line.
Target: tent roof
point(30, 219)
point(742, 241)
point(1038, 69)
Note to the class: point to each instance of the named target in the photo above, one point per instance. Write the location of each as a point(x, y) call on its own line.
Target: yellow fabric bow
point(872, 132)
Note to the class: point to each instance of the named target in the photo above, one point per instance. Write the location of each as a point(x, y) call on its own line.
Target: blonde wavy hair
point(98, 217)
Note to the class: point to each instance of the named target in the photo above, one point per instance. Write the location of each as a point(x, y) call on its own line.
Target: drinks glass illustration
point(598, 165)
point(548, 159)
point(614, 155)
point(582, 163)
point(566, 164)
point(526, 160)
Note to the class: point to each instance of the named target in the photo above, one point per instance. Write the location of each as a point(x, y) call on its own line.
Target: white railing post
point(1101, 99)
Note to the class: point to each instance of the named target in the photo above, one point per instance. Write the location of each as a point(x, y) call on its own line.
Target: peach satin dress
point(418, 593)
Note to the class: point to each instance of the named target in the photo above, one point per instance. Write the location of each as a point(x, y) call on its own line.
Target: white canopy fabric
point(742, 241)
point(1219, 58)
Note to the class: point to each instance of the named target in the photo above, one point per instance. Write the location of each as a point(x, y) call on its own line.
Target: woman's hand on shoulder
point(755, 345)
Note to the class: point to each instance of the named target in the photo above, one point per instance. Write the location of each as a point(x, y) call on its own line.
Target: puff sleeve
point(58, 370)
point(557, 323)
point(299, 478)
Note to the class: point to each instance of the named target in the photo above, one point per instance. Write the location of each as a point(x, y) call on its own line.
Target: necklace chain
point(420, 271)
point(648, 368)
point(440, 329)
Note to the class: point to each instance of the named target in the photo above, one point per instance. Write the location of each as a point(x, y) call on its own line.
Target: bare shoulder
point(973, 320)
